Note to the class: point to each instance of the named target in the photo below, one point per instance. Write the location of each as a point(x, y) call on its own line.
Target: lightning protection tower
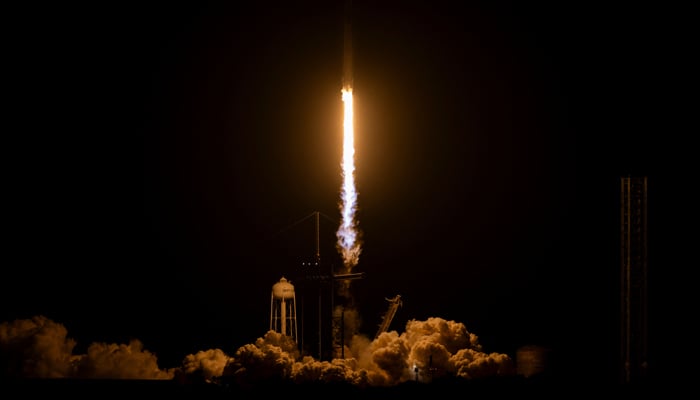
point(283, 311)
point(633, 279)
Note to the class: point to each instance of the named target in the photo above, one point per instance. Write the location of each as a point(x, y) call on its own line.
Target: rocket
point(347, 47)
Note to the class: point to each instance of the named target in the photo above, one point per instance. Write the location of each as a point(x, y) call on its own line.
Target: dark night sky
point(159, 157)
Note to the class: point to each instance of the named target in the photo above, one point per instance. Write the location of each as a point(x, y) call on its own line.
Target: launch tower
point(633, 279)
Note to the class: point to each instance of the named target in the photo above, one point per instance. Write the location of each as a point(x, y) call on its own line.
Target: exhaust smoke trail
point(345, 318)
point(348, 234)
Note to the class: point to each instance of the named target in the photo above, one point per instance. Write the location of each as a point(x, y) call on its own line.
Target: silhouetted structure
point(315, 293)
point(394, 305)
point(343, 300)
point(633, 280)
point(321, 306)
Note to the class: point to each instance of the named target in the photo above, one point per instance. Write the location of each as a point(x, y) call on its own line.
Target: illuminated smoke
point(40, 348)
point(36, 348)
point(425, 351)
point(348, 234)
point(208, 364)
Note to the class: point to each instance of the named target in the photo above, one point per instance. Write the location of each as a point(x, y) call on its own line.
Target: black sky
point(160, 156)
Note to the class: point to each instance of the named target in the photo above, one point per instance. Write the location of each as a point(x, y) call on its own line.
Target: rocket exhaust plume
point(348, 234)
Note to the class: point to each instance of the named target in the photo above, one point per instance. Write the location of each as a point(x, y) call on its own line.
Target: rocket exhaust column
point(347, 234)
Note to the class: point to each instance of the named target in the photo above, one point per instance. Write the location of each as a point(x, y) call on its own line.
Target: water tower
point(283, 309)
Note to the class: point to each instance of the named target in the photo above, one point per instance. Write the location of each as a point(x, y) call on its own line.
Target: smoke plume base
point(425, 351)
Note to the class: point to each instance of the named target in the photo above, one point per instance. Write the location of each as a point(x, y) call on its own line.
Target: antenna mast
point(318, 228)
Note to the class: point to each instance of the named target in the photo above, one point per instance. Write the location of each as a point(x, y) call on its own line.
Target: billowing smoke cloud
point(208, 364)
point(427, 350)
point(36, 348)
point(40, 348)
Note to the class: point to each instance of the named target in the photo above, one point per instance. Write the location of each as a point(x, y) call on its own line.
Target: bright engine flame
point(348, 237)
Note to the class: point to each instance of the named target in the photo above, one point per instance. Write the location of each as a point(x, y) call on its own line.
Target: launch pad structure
point(633, 280)
point(319, 281)
point(321, 310)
